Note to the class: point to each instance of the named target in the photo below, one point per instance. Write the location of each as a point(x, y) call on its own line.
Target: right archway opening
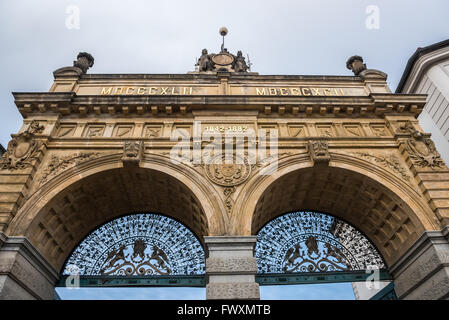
point(385, 219)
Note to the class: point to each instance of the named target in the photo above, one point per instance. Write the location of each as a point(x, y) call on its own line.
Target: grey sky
point(281, 37)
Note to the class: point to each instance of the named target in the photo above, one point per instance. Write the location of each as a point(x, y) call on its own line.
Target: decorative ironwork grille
point(137, 245)
point(313, 242)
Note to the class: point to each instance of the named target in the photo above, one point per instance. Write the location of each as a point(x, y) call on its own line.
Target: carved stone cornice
point(67, 103)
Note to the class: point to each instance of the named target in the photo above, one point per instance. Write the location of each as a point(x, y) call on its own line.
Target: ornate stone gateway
point(97, 147)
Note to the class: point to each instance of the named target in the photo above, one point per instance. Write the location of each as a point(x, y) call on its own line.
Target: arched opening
point(90, 202)
point(321, 252)
point(135, 251)
point(386, 219)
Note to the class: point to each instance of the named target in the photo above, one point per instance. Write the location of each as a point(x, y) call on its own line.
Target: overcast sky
point(281, 37)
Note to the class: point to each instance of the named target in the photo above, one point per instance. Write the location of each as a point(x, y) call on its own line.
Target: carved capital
point(319, 151)
point(132, 152)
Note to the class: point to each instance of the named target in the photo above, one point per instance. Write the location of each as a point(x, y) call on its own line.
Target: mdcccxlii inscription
point(258, 91)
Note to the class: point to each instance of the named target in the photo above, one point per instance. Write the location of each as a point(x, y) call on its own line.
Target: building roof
point(418, 53)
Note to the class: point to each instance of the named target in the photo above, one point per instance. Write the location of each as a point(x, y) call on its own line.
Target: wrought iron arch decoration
point(308, 241)
point(138, 245)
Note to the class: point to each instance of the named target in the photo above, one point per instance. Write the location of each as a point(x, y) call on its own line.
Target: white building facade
point(427, 72)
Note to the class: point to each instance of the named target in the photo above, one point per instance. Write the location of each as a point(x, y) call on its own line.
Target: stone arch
point(68, 207)
point(375, 201)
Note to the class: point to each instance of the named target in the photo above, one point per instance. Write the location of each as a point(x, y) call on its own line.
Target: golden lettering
point(261, 92)
point(141, 90)
point(342, 92)
point(327, 92)
point(104, 91)
point(164, 90)
point(173, 90)
point(284, 91)
point(316, 92)
point(127, 90)
point(272, 91)
point(191, 90)
point(304, 91)
point(151, 90)
point(118, 90)
point(295, 91)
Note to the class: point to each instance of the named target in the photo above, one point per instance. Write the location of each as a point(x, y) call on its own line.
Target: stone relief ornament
point(227, 174)
point(60, 163)
point(22, 151)
point(132, 151)
point(388, 161)
point(319, 151)
point(35, 127)
point(420, 148)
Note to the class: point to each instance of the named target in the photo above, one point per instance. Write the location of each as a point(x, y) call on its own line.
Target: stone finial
point(84, 61)
point(355, 64)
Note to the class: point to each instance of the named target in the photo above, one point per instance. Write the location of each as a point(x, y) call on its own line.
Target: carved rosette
point(22, 151)
point(319, 151)
point(132, 152)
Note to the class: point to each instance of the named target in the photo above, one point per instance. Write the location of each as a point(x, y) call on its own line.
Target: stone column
point(24, 273)
point(422, 273)
point(231, 268)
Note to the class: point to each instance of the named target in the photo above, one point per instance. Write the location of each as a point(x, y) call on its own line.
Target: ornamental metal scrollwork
point(313, 242)
point(137, 245)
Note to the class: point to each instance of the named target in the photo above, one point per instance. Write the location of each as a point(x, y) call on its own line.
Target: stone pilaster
point(231, 268)
point(422, 273)
point(24, 273)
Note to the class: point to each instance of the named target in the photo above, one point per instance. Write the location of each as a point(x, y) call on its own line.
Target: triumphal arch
point(222, 178)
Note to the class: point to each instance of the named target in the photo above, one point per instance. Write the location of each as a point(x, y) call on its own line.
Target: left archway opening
point(94, 200)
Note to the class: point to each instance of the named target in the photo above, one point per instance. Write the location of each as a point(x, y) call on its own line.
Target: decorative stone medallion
point(227, 174)
point(223, 59)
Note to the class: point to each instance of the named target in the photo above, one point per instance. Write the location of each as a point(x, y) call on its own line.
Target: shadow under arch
point(391, 217)
point(62, 213)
